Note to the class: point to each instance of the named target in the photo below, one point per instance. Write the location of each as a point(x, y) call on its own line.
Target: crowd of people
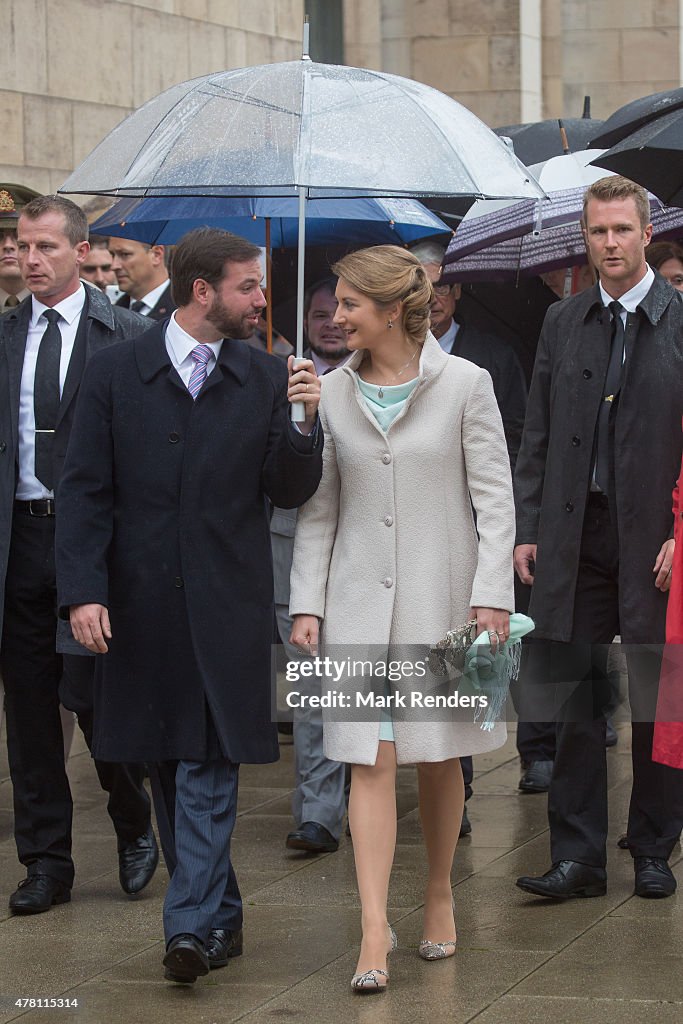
point(165, 521)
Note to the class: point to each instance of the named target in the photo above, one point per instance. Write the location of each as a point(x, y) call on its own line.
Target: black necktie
point(46, 396)
point(612, 385)
point(137, 306)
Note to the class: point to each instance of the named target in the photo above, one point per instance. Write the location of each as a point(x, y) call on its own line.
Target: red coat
point(668, 737)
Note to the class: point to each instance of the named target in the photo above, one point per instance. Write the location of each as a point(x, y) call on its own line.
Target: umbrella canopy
point(361, 221)
point(275, 128)
point(541, 140)
point(488, 222)
point(517, 245)
point(652, 156)
point(634, 115)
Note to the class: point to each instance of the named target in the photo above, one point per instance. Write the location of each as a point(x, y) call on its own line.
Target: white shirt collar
point(631, 299)
point(322, 366)
point(446, 340)
point(151, 298)
point(181, 343)
point(69, 308)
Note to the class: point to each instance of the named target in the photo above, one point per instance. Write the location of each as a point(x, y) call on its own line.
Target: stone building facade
point(72, 69)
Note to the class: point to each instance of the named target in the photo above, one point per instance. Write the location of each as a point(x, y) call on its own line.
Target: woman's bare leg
point(372, 818)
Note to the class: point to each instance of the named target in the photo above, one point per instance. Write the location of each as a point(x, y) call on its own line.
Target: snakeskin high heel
point(437, 950)
point(375, 980)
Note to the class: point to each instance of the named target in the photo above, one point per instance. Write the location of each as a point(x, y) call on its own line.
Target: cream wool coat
point(386, 551)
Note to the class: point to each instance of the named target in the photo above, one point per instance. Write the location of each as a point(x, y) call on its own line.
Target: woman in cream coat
point(386, 554)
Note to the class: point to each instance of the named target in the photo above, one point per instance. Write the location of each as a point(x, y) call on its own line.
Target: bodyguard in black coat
point(36, 673)
point(600, 455)
point(164, 562)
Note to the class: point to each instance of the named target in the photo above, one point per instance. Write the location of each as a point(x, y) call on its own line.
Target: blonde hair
point(388, 274)
point(614, 186)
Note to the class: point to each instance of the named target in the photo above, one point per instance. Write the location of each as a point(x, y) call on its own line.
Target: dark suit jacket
point(161, 311)
point(105, 325)
point(499, 358)
point(163, 520)
point(554, 466)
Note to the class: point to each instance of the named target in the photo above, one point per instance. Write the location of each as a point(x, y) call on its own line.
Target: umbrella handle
point(298, 408)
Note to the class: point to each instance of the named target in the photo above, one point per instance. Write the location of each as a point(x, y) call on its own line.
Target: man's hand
point(305, 629)
point(525, 559)
point(663, 564)
point(304, 386)
point(90, 626)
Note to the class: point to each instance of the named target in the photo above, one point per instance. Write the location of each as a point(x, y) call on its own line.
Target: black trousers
point(583, 695)
point(34, 676)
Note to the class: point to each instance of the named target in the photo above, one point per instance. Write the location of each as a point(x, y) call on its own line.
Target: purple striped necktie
point(200, 355)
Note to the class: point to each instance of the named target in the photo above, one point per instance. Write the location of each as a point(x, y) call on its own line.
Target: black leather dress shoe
point(185, 959)
point(223, 946)
point(138, 862)
point(654, 879)
point(566, 878)
point(38, 893)
point(313, 838)
point(465, 824)
point(536, 778)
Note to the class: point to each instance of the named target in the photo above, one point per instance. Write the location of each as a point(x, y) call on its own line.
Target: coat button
point(388, 520)
point(174, 438)
point(388, 582)
point(569, 507)
point(3, 447)
point(576, 441)
point(386, 458)
point(178, 582)
point(587, 374)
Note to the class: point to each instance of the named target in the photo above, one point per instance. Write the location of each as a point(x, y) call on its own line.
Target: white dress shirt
point(321, 366)
point(179, 345)
point(631, 299)
point(151, 298)
point(29, 486)
point(447, 340)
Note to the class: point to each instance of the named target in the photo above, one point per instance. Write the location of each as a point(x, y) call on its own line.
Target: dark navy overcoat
point(163, 519)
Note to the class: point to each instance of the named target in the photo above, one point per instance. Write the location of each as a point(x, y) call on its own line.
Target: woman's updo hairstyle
point(388, 274)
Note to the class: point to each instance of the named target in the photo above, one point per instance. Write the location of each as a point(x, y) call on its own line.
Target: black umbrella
point(542, 140)
point(634, 115)
point(652, 156)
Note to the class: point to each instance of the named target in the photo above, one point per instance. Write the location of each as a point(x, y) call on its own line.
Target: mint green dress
point(385, 410)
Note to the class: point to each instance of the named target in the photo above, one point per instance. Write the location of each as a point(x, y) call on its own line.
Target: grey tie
point(138, 306)
point(46, 397)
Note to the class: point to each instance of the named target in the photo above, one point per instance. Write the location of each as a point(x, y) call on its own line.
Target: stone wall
point(70, 70)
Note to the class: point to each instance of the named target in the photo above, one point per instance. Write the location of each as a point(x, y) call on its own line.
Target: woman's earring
point(390, 324)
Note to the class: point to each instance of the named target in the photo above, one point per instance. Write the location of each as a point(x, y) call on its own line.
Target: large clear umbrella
point(305, 129)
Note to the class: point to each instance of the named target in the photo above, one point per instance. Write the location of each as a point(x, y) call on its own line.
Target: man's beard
point(330, 355)
point(228, 324)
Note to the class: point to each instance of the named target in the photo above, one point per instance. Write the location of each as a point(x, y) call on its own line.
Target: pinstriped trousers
point(203, 891)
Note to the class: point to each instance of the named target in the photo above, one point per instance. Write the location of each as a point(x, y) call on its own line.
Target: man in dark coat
point(164, 565)
point(600, 454)
point(45, 342)
point(142, 276)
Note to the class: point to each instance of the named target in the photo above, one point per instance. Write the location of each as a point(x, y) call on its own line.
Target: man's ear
point(82, 250)
point(158, 253)
point(201, 291)
point(457, 291)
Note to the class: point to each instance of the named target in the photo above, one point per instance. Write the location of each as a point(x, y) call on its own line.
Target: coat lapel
point(15, 347)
